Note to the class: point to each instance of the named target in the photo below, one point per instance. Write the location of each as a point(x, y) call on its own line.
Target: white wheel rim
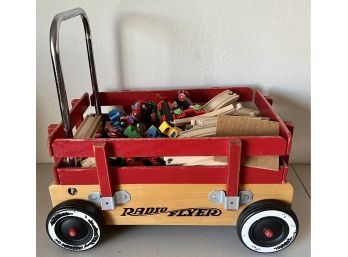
point(271, 213)
point(94, 239)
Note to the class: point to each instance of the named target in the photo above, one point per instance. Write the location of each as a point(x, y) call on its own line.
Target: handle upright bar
point(58, 74)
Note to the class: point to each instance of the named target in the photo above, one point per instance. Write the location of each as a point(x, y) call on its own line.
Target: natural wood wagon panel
point(173, 198)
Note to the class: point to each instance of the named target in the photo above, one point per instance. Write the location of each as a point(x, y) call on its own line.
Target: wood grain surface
point(172, 197)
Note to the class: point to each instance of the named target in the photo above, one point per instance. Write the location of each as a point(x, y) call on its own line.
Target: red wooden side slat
point(199, 95)
point(123, 147)
point(249, 175)
point(234, 156)
point(169, 175)
point(103, 170)
point(266, 110)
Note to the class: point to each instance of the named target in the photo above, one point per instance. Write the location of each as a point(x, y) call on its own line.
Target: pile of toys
point(150, 119)
point(180, 118)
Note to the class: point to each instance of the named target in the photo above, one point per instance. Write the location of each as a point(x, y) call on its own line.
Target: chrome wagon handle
point(58, 74)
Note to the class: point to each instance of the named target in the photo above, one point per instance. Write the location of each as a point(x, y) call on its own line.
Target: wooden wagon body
point(255, 199)
point(170, 187)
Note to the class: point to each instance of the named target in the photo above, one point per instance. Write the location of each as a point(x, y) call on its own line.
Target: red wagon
point(256, 200)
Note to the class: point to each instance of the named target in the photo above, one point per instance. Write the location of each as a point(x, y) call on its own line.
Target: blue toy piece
point(115, 115)
point(153, 132)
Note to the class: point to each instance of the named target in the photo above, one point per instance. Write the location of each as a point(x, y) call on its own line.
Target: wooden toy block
point(168, 130)
point(132, 132)
point(153, 132)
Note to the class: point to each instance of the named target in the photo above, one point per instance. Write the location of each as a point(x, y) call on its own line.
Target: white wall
point(165, 43)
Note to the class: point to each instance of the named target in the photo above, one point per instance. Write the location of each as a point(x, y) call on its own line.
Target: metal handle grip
point(58, 74)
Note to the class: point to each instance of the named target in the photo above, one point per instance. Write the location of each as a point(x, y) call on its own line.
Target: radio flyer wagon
point(256, 200)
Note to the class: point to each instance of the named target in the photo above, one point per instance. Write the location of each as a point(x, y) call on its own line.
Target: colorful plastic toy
point(168, 130)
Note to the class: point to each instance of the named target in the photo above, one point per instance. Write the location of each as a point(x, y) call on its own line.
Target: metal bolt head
point(124, 197)
point(72, 191)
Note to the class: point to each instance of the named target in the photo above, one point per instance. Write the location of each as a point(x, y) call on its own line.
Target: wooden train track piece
point(266, 162)
point(88, 127)
point(229, 109)
point(224, 98)
point(200, 131)
point(88, 162)
point(204, 121)
point(194, 161)
point(246, 112)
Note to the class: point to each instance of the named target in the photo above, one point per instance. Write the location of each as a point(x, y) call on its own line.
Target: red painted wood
point(285, 174)
point(80, 116)
point(124, 147)
point(233, 169)
point(148, 175)
point(290, 126)
point(276, 145)
point(250, 175)
point(78, 176)
point(284, 162)
point(51, 128)
point(169, 175)
point(199, 95)
point(55, 170)
point(269, 99)
point(103, 171)
point(75, 113)
point(267, 110)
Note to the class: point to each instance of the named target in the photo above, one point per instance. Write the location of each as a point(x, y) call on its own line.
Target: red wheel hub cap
point(72, 232)
point(268, 233)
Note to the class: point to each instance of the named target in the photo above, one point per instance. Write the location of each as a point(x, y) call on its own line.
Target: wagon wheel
point(74, 225)
point(267, 226)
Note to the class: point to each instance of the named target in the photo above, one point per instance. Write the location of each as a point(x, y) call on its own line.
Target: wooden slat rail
point(169, 175)
point(123, 147)
point(229, 147)
point(266, 109)
point(199, 95)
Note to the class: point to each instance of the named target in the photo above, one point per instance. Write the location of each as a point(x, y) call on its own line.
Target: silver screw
point(124, 197)
point(72, 191)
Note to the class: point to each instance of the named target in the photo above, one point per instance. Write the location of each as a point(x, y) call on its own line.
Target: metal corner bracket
point(230, 202)
point(109, 203)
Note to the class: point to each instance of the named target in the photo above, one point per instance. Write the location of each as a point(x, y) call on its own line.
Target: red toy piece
point(183, 100)
point(165, 109)
point(190, 112)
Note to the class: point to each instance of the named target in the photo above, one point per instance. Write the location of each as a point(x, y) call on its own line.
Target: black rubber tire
point(81, 213)
point(286, 219)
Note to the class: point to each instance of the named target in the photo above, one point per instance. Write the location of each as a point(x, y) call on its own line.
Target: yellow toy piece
point(168, 130)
